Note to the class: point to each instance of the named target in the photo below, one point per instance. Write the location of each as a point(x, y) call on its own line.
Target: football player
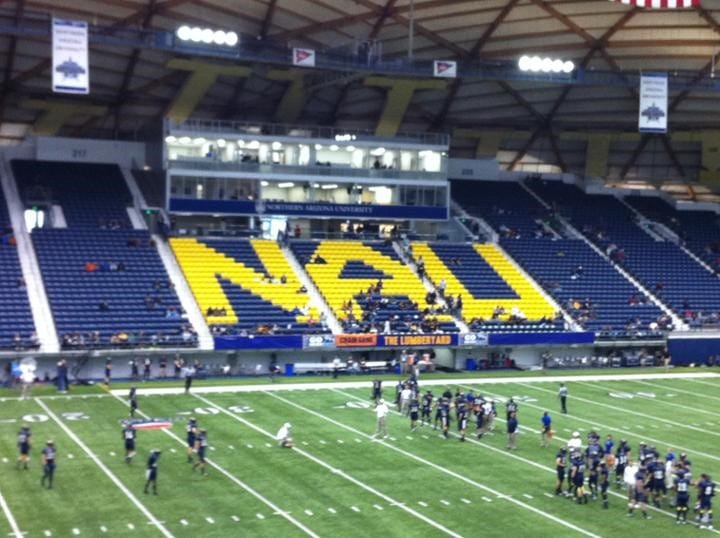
point(639, 499)
point(414, 413)
point(577, 474)
point(151, 472)
point(191, 430)
point(376, 389)
point(594, 455)
point(444, 409)
point(201, 444)
point(622, 457)
point(706, 491)
point(656, 469)
point(23, 444)
point(604, 473)
point(49, 455)
point(681, 485)
point(510, 407)
point(546, 431)
point(462, 417)
point(132, 397)
point(427, 402)
point(128, 435)
point(560, 467)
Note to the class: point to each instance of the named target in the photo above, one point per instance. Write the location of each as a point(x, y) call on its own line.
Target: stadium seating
point(485, 279)
point(109, 288)
point(106, 283)
point(699, 230)
point(91, 195)
point(685, 286)
point(17, 330)
point(246, 286)
point(580, 280)
point(348, 272)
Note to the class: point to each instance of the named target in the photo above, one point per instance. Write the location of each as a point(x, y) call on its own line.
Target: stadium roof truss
point(136, 76)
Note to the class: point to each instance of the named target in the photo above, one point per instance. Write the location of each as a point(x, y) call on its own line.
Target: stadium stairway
point(184, 293)
point(38, 303)
point(312, 290)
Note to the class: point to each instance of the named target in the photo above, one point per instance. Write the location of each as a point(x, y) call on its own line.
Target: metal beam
point(524, 149)
point(10, 61)
point(477, 47)
point(267, 21)
point(635, 154)
point(556, 150)
point(387, 9)
point(665, 140)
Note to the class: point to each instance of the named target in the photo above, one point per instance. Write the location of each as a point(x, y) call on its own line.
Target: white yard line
point(659, 400)
point(11, 519)
point(595, 423)
point(520, 458)
point(237, 481)
point(700, 382)
point(428, 463)
point(628, 411)
point(337, 472)
point(106, 470)
point(683, 391)
point(215, 389)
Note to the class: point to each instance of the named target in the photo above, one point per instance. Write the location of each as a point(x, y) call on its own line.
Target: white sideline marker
point(115, 480)
point(173, 450)
point(132, 527)
point(47, 533)
point(409, 437)
point(332, 510)
point(76, 531)
point(212, 448)
point(103, 528)
point(354, 508)
point(487, 499)
point(70, 456)
point(425, 437)
point(378, 507)
point(5, 460)
point(341, 442)
point(527, 496)
point(358, 440)
point(443, 501)
point(235, 518)
point(423, 504)
point(260, 516)
point(249, 445)
point(231, 447)
point(309, 512)
point(113, 454)
point(466, 501)
point(184, 522)
point(322, 442)
point(268, 445)
point(210, 520)
point(550, 495)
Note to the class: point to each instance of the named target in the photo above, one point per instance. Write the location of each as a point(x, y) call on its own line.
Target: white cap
point(576, 434)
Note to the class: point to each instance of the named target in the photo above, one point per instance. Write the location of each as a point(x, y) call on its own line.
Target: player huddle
point(647, 477)
point(427, 409)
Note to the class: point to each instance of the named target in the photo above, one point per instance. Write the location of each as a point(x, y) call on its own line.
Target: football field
point(338, 480)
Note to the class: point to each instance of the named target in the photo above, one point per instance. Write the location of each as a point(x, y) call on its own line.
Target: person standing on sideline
point(563, 394)
point(152, 471)
point(108, 370)
point(381, 412)
point(188, 374)
point(376, 390)
point(62, 376)
point(546, 432)
point(512, 428)
point(147, 364)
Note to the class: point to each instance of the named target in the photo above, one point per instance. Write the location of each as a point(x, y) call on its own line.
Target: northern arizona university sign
point(248, 207)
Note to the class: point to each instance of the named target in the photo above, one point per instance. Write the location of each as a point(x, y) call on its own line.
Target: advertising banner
point(653, 114)
point(70, 66)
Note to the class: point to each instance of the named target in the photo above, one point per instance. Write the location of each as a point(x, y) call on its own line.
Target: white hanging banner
point(445, 68)
point(653, 114)
point(70, 67)
point(304, 57)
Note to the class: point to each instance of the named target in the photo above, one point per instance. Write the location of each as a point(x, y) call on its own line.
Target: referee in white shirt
point(562, 394)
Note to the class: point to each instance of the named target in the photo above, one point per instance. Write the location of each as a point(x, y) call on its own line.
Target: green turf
point(339, 481)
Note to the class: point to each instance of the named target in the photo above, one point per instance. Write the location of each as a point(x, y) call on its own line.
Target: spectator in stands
point(442, 287)
point(104, 306)
point(297, 231)
point(21, 283)
point(91, 267)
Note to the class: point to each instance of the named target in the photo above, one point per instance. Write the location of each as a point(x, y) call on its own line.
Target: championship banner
point(304, 57)
point(444, 68)
point(70, 67)
point(653, 112)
